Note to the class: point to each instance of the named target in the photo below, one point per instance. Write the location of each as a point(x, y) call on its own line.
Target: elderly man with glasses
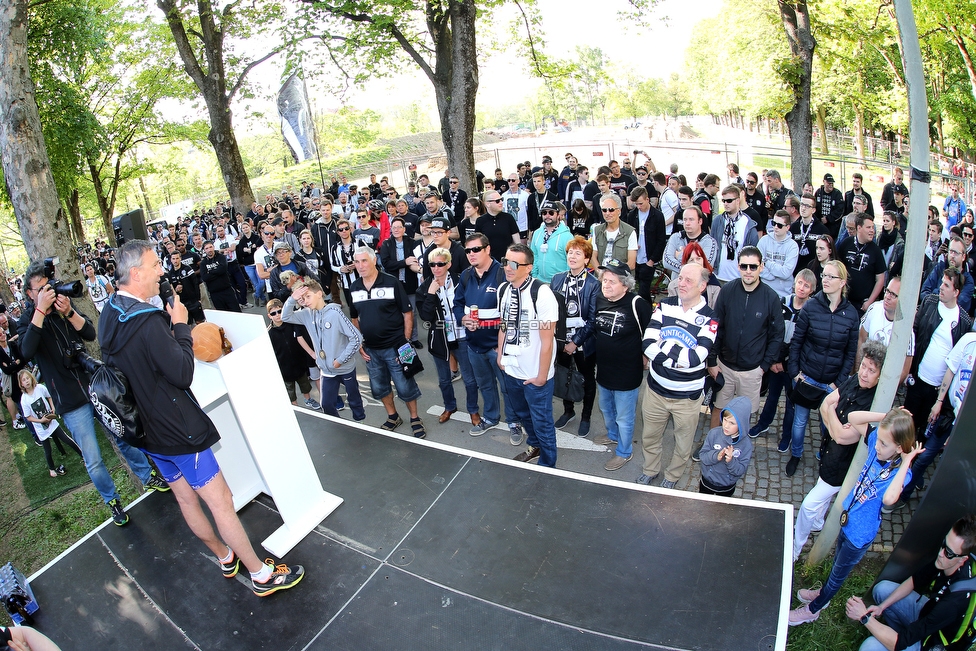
point(614, 239)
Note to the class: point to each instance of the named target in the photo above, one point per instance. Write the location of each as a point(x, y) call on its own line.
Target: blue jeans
point(467, 375)
point(845, 558)
point(81, 423)
point(252, 274)
point(533, 408)
point(384, 367)
point(329, 393)
point(777, 382)
point(489, 377)
point(898, 615)
point(619, 410)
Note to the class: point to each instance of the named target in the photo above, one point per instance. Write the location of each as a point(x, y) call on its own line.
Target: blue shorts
point(198, 469)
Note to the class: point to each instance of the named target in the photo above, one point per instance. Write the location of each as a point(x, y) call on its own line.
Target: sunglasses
point(267, 232)
point(610, 210)
point(948, 552)
point(513, 265)
point(274, 312)
point(779, 225)
point(745, 266)
point(494, 201)
point(724, 200)
point(549, 212)
point(343, 230)
point(439, 264)
point(474, 249)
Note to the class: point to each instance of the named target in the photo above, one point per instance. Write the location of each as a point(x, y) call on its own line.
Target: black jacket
point(157, 358)
point(213, 272)
point(392, 266)
point(431, 310)
point(824, 343)
point(11, 365)
point(47, 347)
point(655, 235)
point(750, 327)
point(927, 320)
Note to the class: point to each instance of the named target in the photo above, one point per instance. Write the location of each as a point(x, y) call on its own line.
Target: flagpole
point(315, 133)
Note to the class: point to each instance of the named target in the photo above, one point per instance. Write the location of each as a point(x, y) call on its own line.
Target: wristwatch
point(866, 618)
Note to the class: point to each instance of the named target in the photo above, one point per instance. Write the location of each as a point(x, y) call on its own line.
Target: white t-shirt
point(36, 405)
point(521, 359)
point(960, 362)
point(669, 205)
point(611, 238)
point(517, 206)
point(878, 327)
point(932, 367)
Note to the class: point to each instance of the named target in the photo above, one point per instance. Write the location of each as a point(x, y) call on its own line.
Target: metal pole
point(914, 253)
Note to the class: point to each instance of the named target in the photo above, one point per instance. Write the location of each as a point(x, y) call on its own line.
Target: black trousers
point(919, 399)
point(645, 279)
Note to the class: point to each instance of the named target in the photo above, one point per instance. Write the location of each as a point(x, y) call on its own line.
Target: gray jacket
point(334, 337)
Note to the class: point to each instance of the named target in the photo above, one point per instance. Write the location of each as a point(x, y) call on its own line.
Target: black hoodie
point(157, 358)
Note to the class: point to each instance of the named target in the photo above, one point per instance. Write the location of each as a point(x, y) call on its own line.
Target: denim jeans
point(81, 423)
point(533, 408)
point(329, 394)
point(845, 558)
point(252, 274)
point(801, 416)
point(384, 366)
point(777, 382)
point(619, 410)
point(489, 378)
point(467, 376)
point(898, 615)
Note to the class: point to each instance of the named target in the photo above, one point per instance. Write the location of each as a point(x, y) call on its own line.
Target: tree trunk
point(859, 136)
point(74, 215)
point(796, 21)
point(822, 126)
point(456, 88)
point(212, 83)
point(44, 225)
point(145, 197)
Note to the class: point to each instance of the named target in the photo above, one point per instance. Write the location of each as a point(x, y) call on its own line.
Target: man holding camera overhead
point(52, 333)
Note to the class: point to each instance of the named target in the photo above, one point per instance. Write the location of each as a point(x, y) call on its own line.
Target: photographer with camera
point(52, 333)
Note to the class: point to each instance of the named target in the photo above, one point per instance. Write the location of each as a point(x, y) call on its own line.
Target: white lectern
point(243, 394)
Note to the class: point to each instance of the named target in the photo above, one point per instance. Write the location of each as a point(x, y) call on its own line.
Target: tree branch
point(528, 32)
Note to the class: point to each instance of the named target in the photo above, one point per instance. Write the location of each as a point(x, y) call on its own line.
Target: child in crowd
point(726, 454)
point(36, 404)
point(290, 343)
point(335, 340)
point(886, 471)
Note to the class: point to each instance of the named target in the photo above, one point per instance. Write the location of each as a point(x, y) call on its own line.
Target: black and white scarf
point(730, 236)
point(513, 321)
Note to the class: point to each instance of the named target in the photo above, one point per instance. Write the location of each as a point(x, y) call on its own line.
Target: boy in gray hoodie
point(336, 342)
point(726, 453)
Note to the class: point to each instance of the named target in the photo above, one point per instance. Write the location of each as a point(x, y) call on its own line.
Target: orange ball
point(207, 341)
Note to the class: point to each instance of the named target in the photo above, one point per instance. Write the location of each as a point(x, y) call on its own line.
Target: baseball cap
point(548, 205)
point(281, 245)
point(441, 223)
point(828, 178)
point(547, 159)
point(618, 268)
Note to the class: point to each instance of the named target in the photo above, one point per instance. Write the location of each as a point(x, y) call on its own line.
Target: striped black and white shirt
point(677, 343)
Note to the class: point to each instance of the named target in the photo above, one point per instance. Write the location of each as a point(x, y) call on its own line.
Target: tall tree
point(364, 36)
point(26, 168)
point(201, 36)
point(798, 73)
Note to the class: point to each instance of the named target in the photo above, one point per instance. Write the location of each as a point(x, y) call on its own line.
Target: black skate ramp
point(435, 548)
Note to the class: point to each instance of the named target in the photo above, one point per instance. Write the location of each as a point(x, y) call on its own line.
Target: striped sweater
point(677, 343)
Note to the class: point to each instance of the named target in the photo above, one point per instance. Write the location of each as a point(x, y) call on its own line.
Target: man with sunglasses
point(614, 239)
point(264, 258)
point(750, 333)
point(928, 609)
point(515, 201)
point(732, 231)
point(497, 225)
point(549, 243)
point(779, 255)
point(806, 231)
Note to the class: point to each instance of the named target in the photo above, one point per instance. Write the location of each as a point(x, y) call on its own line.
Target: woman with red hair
point(694, 253)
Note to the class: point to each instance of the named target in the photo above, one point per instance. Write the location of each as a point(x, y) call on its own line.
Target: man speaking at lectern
point(155, 352)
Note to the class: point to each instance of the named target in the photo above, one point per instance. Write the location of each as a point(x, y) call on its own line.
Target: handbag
point(568, 383)
point(804, 394)
point(409, 360)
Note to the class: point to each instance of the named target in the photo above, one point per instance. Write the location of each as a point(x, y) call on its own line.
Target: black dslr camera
point(73, 289)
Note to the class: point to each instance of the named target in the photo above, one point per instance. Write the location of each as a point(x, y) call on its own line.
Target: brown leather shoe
point(475, 419)
point(446, 416)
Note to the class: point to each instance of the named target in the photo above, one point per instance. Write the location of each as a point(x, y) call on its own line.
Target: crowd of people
point(655, 291)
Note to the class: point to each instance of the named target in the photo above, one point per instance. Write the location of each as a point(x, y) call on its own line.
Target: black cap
point(828, 178)
point(441, 223)
point(618, 268)
point(548, 205)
